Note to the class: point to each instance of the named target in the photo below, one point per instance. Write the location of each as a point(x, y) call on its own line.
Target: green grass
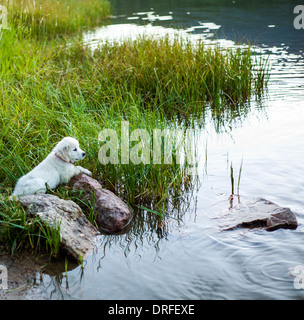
point(62, 89)
point(53, 18)
point(19, 230)
point(174, 77)
point(238, 180)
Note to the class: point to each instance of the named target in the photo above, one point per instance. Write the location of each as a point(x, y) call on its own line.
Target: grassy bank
point(58, 89)
point(52, 18)
point(174, 76)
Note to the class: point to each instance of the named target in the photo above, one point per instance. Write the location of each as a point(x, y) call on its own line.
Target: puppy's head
point(68, 150)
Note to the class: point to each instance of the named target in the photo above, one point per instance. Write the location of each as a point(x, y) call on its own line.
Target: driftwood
point(77, 233)
point(111, 213)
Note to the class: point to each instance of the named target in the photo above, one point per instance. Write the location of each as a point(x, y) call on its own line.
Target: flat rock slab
point(77, 233)
point(111, 213)
point(257, 213)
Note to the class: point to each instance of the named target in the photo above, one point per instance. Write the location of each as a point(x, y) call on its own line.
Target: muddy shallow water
point(190, 258)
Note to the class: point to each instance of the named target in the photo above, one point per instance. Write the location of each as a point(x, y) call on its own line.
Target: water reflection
point(269, 23)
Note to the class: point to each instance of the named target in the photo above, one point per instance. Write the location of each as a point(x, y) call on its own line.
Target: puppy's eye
point(75, 149)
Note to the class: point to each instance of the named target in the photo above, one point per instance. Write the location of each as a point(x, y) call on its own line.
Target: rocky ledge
point(111, 213)
point(76, 231)
point(257, 213)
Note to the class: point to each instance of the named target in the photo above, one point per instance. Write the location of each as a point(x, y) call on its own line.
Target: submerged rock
point(257, 213)
point(76, 231)
point(112, 214)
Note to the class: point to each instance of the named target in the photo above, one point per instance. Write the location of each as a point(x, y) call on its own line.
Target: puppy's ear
point(63, 153)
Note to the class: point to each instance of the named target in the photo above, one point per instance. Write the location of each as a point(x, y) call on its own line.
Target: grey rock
point(77, 233)
point(112, 214)
point(257, 213)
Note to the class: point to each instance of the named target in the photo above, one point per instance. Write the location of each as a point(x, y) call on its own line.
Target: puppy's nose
point(83, 154)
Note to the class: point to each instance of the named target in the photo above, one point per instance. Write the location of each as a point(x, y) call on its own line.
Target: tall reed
point(52, 18)
point(174, 77)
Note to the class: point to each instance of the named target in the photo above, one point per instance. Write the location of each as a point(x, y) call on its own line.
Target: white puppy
point(58, 167)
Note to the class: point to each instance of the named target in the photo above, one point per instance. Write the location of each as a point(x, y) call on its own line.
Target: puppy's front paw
point(80, 169)
point(86, 171)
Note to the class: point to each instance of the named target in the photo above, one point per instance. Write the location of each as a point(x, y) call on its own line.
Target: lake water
point(191, 258)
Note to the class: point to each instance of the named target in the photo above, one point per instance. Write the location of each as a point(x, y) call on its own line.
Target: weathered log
point(112, 214)
point(76, 231)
